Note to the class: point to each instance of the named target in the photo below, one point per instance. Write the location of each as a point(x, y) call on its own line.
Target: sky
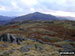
point(23, 7)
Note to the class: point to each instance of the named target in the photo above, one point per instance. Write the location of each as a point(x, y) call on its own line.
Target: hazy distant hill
point(36, 16)
point(5, 19)
point(32, 16)
point(66, 18)
point(70, 18)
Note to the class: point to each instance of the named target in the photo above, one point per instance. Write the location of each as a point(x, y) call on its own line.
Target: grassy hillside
point(43, 38)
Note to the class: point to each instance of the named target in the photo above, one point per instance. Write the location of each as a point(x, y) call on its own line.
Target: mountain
point(36, 16)
point(70, 18)
point(66, 18)
point(5, 19)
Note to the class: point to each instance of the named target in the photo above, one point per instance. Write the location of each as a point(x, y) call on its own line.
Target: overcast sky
point(22, 7)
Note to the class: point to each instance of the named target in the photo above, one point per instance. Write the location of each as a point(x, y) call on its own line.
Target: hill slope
point(5, 19)
point(36, 16)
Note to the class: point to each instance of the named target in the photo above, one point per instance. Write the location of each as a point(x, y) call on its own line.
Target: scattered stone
point(21, 29)
point(5, 45)
point(67, 47)
point(48, 43)
point(39, 48)
point(40, 41)
point(26, 48)
point(68, 40)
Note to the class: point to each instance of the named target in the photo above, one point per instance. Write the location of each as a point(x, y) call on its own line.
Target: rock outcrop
point(12, 38)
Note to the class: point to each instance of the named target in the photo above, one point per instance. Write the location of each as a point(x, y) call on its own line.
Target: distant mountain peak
point(36, 16)
point(36, 13)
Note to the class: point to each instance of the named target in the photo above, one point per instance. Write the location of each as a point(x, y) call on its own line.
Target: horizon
point(23, 7)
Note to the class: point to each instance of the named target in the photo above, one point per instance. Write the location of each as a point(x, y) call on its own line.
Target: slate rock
point(11, 38)
point(40, 41)
point(5, 45)
point(26, 48)
point(39, 48)
point(67, 47)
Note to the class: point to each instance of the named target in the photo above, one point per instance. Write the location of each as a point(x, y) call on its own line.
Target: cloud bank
point(22, 7)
